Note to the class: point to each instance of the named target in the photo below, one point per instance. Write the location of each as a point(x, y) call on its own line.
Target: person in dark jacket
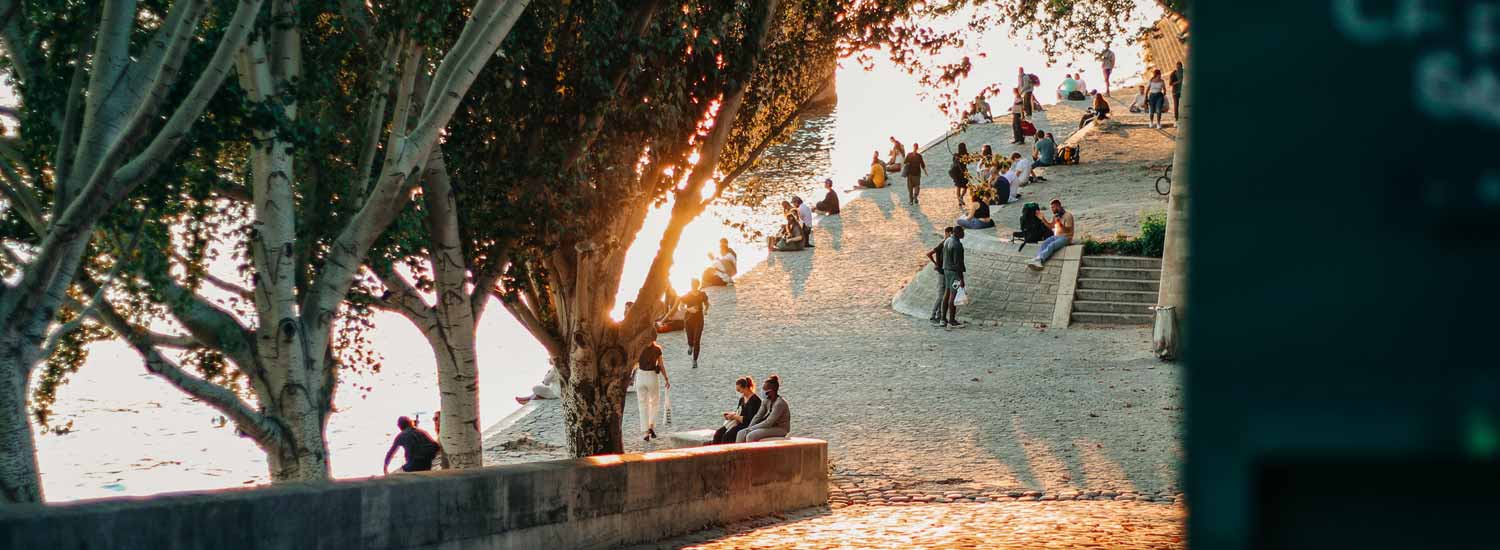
point(420, 448)
point(734, 422)
point(829, 206)
point(936, 257)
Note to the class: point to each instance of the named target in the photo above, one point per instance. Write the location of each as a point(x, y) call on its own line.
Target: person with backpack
point(959, 172)
point(1027, 84)
point(420, 448)
point(1062, 234)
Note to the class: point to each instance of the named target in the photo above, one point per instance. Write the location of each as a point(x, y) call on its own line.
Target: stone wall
point(595, 502)
point(1000, 286)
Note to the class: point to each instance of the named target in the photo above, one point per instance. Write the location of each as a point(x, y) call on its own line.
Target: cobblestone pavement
point(987, 525)
point(904, 406)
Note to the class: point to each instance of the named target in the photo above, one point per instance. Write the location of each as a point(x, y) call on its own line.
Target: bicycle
point(1164, 183)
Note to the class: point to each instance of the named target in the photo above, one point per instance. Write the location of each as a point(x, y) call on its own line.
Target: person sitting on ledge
point(980, 111)
point(1062, 234)
point(980, 217)
point(548, 389)
point(829, 206)
point(1067, 87)
point(898, 155)
point(1046, 149)
point(774, 419)
point(722, 268)
point(876, 178)
point(790, 239)
point(1138, 105)
point(735, 422)
point(1099, 111)
point(420, 448)
point(804, 215)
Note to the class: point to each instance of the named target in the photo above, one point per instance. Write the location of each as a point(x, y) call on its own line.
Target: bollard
point(1164, 334)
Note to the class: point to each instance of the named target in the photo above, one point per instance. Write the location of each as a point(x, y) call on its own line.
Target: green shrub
point(1149, 244)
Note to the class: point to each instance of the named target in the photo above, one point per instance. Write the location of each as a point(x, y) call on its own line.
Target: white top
point(1019, 174)
point(1139, 101)
point(805, 213)
point(1107, 59)
point(1156, 87)
point(1024, 83)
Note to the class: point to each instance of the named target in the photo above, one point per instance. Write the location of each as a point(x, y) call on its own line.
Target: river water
point(132, 434)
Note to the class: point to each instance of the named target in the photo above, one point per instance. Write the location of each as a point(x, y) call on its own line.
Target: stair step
point(1087, 306)
point(1120, 273)
point(1147, 297)
point(1091, 283)
point(1110, 319)
point(1127, 262)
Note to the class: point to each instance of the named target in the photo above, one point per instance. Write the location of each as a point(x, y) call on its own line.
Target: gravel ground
point(998, 525)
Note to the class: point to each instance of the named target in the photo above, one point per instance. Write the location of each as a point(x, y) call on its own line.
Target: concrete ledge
point(1072, 258)
point(595, 502)
point(1001, 287)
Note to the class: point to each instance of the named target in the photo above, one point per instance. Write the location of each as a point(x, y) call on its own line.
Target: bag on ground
point(960, 296)
point(1027, 128)
point(1068, 155)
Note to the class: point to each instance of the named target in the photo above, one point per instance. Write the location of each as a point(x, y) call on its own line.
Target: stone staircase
point(1116, 290)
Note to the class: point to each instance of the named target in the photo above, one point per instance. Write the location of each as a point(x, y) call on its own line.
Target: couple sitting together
point(796, 233)
point(756, 418)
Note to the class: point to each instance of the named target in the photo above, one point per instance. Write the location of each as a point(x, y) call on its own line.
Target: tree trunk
point(452, 333)
point(593, 399)
point(1175, 254)
point(20, 480)
point(301, 453)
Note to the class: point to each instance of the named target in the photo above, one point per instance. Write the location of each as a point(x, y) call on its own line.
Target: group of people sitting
point(1073, 89)
point(1002, 177)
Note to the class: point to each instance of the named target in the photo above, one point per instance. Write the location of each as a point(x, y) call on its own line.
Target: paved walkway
point(997, 525)
point(909, 408)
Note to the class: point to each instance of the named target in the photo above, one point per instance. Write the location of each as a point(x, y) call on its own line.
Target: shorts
point(950, 278)
point(914, 181)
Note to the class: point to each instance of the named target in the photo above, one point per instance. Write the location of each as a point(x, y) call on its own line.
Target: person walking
point(1156, 98)
point(936, 257)
point(696, 304)
point(650, 377)
point(1027, 88)
point(914, 167)
point(1176, 81)
point(953, 276)
point(1107, 63)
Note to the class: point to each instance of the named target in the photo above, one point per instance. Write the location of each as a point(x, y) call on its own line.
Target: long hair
point(745, 382)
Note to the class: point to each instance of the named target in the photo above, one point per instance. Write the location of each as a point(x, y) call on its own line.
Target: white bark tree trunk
point(20, 480)
point(452, 332)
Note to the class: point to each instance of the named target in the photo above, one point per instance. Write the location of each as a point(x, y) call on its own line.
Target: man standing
point(420, 448)
point(1062, 234)
point(1023, 83)
point(1176, 81)
point(914, 167)
point(936, 257)
point(1016, 109)
point(1107, 62)
point(953, 276)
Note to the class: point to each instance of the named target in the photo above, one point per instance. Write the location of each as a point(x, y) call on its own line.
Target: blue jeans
point(1051, 246)
point(972, 223)
point(1155, 102)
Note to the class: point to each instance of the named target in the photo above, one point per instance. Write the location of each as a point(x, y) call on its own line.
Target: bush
point(1149, 244)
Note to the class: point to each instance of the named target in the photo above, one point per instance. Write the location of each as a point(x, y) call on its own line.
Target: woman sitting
point(735, 422)
point(792, 236)
point(876, 178)
point(979, 218)
point(674, 314)
point(1099, 111)
point(774, 418)
point(721, 268)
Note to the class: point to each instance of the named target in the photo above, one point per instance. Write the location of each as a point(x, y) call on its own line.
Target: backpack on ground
point(1033, 229)
point(1076, 95)
point(1068, 154)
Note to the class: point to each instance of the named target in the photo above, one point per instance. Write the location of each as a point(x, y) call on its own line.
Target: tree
point(107, 96)
point(310, 195)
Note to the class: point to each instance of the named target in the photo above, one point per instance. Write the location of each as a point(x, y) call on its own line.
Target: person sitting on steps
point(979, 218)
point(829, 206)
point(1046, 150)
point(876, 178)
point(1062, 234)
point(790, 239)
point(1099, 111)
point(721, 268)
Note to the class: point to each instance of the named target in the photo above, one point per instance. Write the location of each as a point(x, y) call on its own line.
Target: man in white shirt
point(1107, 61)
point(804, 213)
point(1020, 171)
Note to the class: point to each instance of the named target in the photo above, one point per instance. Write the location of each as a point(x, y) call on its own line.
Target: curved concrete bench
point(696, 438)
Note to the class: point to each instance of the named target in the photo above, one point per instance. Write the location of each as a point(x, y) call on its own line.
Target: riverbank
point(906, 407)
